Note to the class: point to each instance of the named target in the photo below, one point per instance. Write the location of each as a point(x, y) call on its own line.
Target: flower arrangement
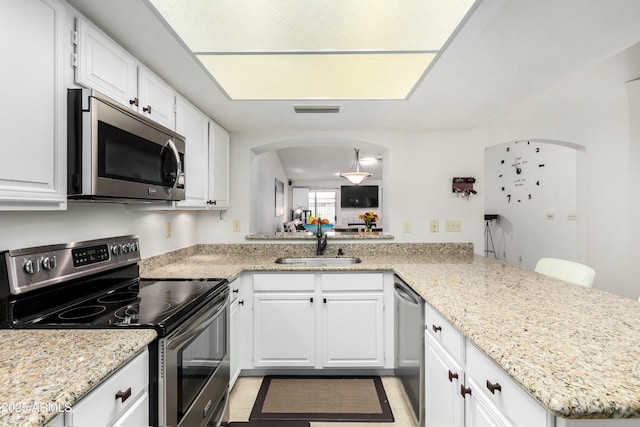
point(369, 219)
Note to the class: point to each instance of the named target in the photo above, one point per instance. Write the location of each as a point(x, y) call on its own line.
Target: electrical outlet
point(167, 230)
point(435, 226)
point(453, 225)
point(406, 226)
point(571, 217)
point(551, 216)
point(236, 225)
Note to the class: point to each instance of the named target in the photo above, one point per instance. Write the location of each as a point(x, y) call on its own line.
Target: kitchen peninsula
point(573, 349)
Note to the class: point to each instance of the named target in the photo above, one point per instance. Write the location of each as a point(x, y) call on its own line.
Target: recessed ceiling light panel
point(330, 49)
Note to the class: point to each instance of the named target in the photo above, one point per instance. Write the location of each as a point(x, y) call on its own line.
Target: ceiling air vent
point(317, 109)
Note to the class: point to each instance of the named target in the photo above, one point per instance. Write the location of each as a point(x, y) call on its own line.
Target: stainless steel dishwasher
point(409, 340)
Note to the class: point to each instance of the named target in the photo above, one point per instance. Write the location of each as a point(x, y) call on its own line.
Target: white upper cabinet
point(194, 126)
point(33, 113)
point(206, 159)
point(156, 99)
point(219, 162)
point(103, 65)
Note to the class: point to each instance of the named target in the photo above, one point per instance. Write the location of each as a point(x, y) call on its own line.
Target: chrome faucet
point(322, 240)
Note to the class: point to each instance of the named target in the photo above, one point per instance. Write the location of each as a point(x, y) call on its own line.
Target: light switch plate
point(434, 226)
point(453, 225)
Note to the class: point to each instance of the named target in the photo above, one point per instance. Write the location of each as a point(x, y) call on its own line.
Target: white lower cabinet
point(464, 387)
point(494, 395)
point(235, 329)
point(318, 320)
point(352, 330)
point(121, 400)
point(284, 329)
point(444, 404)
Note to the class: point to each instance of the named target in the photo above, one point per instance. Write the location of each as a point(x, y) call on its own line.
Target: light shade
point(356, 177)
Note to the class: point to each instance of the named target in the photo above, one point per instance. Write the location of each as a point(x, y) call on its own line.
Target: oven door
point(194, 380)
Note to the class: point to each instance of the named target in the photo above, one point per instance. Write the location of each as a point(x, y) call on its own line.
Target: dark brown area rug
point(326, 398)
point(270, 424)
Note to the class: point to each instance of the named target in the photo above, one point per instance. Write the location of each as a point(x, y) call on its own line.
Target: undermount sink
point(318, 261)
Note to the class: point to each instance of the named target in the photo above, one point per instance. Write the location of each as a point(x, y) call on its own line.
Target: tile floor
point(246, 389)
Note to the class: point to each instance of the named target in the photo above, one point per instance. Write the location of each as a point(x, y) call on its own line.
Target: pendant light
point(358, 176)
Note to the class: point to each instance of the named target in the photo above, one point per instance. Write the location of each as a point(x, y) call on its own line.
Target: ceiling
point(507, 50)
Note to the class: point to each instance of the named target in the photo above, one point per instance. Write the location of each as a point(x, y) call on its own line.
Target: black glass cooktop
point(157, 303)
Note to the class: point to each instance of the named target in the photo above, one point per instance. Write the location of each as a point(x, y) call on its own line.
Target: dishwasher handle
point(402, 293)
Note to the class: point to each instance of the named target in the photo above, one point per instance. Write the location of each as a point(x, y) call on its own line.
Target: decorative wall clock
point(519, 173)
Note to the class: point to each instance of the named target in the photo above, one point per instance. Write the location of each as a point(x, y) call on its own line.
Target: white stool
point(568, 271)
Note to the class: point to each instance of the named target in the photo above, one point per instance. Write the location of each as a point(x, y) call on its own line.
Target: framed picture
point(279, 199)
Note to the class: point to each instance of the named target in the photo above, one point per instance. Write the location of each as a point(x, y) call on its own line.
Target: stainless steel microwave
point(119, 155)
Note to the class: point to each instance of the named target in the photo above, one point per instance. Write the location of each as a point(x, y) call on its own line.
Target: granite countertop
point(576, 350)
point(42, 372)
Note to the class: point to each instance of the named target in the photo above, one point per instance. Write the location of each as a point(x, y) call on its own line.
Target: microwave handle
point(174, 150)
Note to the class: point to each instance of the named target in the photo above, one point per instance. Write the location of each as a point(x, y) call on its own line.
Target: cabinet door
point(444, 406)
point(194, 126)
point(156, 99)
point(33, 110)
point(105, 66)
point(284, 329)
point(352, 330)
point(219, 167)
point(234, 342)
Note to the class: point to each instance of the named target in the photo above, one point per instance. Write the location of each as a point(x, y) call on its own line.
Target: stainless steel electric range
point(96, 284)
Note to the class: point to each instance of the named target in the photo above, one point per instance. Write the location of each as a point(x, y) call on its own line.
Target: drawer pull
point(436, 329)
point(134, 101)
point(241, 302)
point(464, 390)
point(452, 375)
point(124, 395)
point(147, 109)
point(493, 387)
point(235, 291)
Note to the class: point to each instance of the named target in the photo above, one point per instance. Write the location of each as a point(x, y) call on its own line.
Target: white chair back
point(568, 271)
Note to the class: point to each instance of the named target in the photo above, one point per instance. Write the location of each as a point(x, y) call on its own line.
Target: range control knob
point(49, 263)
point(31, 266)
point(125, 248)
point(115, 249)
point(134, 247)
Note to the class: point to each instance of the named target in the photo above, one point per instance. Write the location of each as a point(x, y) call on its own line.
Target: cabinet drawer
point(515, 403)
point(284, 282)
point(352, 282)
point(445, 333)
point(102, 404)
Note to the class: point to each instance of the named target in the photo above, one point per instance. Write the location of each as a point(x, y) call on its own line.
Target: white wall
point(84, 221)
point(633, 89)
point(534, 222)
point(590, 108)
point(269, 168)
point(417, 174)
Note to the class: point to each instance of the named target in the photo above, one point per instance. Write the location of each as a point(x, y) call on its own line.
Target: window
point(322, 204)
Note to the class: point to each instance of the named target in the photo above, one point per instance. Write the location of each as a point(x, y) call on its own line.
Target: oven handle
point(200, 321)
